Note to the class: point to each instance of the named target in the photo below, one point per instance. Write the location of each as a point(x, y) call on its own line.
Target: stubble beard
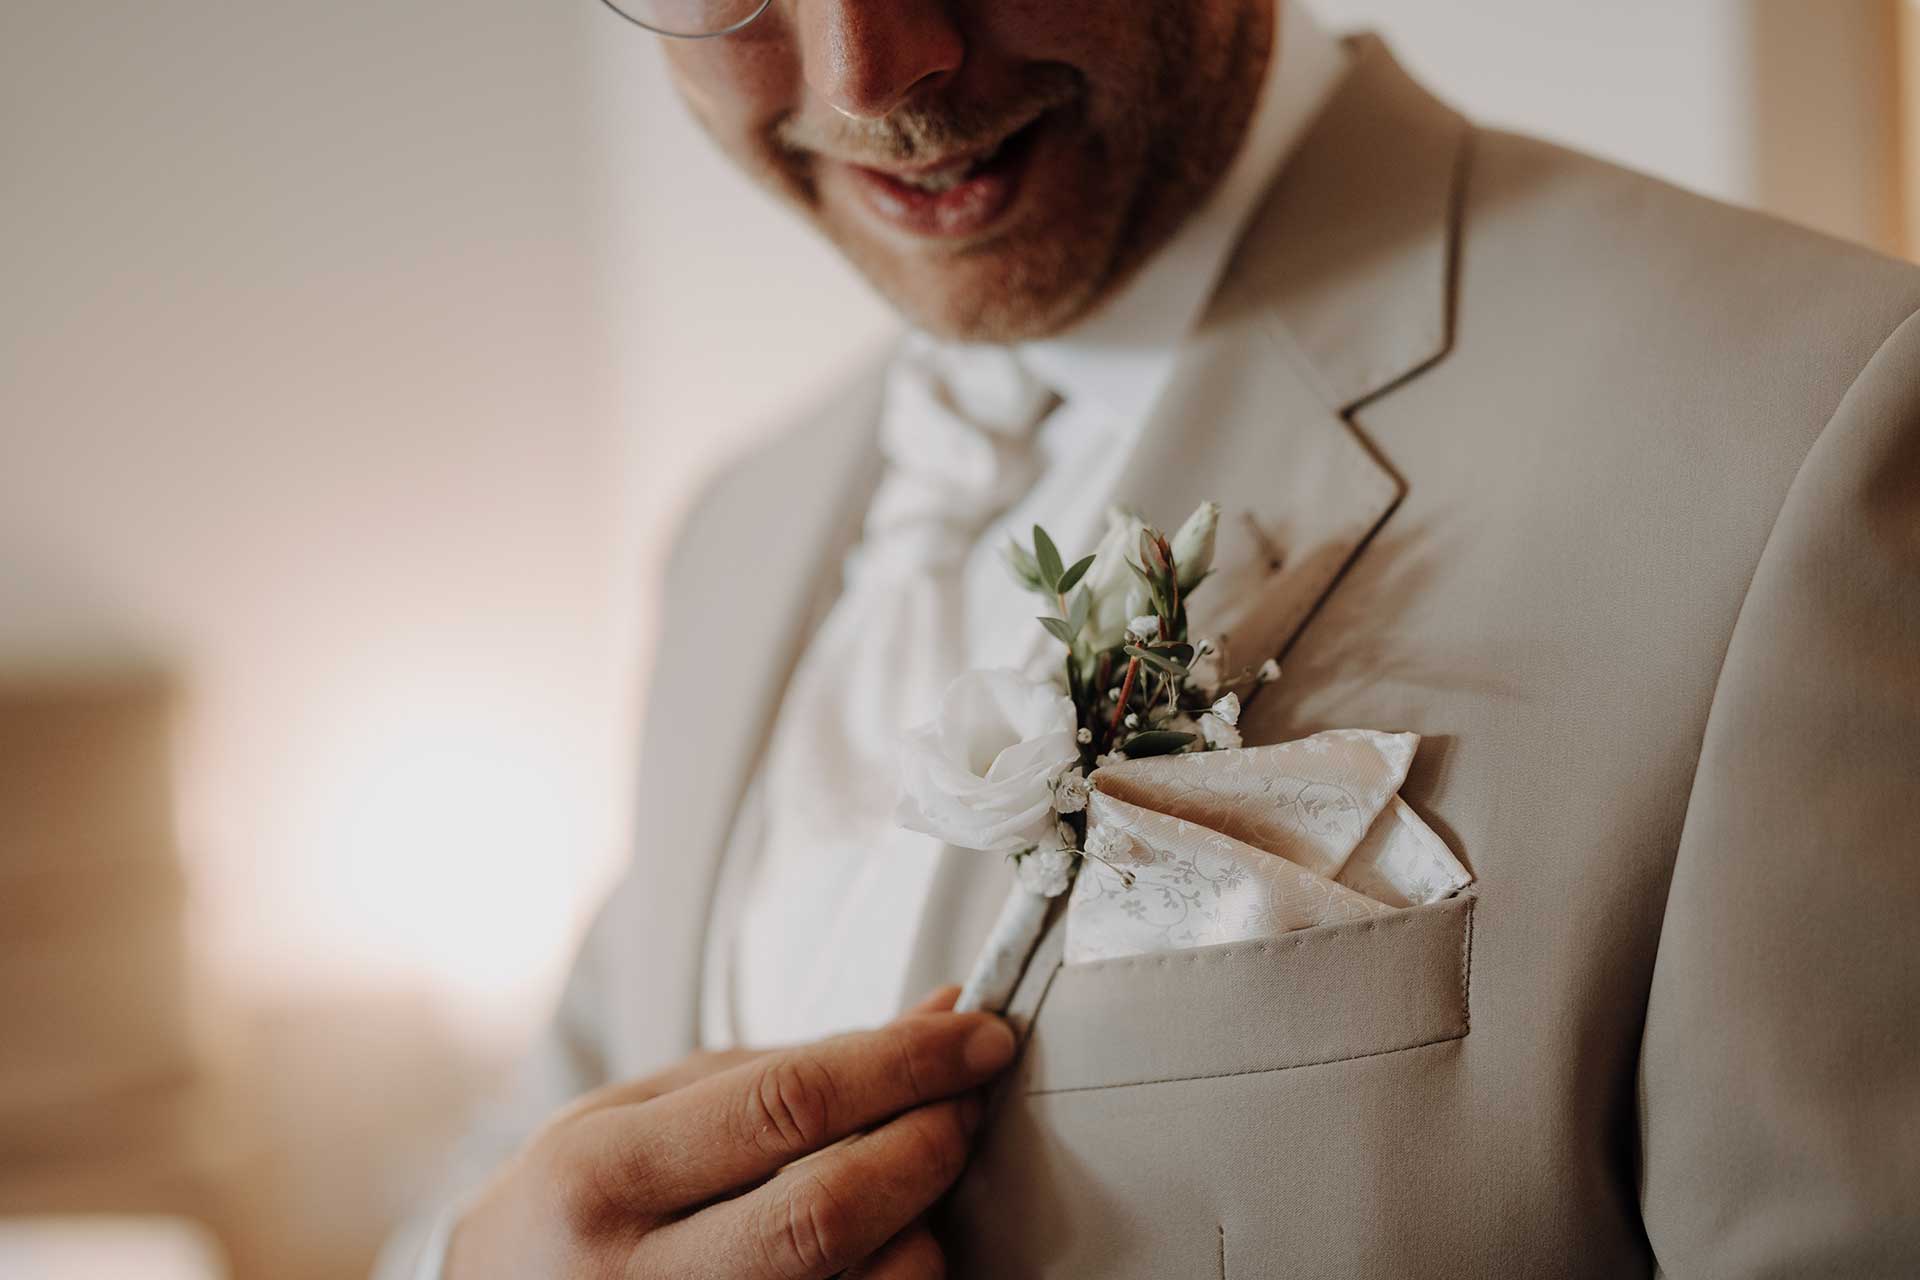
point(1165, 155)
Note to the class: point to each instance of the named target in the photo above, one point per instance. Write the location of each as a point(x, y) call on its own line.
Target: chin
point(1015, 289)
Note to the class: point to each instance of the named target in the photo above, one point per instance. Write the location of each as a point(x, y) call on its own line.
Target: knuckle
point(591, 1189)
point(790, 1105)
point(907, 1050)
point(940, 1143)
point(578, 1197)
point(811, 1229)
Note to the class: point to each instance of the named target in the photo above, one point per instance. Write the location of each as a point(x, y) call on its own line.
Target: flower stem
point(997, 969)
point(1126, 691)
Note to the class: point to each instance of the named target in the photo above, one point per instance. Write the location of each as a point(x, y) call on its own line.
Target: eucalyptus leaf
point(1071, 578)
point(1026, 570)
point(1155, 742)
point(1049, 557)
point(1079, 610)
point(1059, 630)
point(1153, 659)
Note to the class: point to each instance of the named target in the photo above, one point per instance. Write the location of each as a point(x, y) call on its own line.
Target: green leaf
point(1059, 630)
point(1049, 557)
point(1153, 659)
point(1079, 610)
point(1071, 578)
point(1026, 570)
point(1154, 742)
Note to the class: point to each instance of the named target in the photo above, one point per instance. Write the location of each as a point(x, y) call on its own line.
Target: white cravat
point(822, 893)
point(957, 436)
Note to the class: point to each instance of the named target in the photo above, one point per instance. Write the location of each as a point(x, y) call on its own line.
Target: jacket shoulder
point(1558, 216)
point(1624, 289)
point(751, 494)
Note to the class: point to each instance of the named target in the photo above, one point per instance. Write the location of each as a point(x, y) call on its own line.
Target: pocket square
point(1228, 846)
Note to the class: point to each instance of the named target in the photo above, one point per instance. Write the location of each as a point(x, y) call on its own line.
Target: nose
point(867, 57)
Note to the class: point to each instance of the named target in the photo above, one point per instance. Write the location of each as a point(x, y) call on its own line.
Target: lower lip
point(969, 208)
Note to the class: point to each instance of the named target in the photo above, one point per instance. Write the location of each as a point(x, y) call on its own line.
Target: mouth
point(954, 197)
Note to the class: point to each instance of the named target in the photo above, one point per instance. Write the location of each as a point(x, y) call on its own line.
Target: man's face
point(994, 167)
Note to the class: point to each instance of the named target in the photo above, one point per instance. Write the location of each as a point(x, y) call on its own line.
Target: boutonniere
point(1004, 767)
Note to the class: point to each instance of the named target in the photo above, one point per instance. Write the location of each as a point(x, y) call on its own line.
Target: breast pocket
point(1181, 1114)
point(1320, 995)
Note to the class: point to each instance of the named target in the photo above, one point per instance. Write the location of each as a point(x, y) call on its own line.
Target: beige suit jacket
point(1613, 494)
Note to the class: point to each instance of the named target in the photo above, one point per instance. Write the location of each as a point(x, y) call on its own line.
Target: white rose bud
point(1193, 545)
point(1228, 708)
point(1269, 671)
point(1145, 627)
point(1115, 592)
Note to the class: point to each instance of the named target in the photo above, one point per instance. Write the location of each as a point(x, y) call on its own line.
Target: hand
point(734, 1164)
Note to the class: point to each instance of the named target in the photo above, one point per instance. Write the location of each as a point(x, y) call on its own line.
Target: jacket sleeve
point(568, 1060)
point(1779, 1083)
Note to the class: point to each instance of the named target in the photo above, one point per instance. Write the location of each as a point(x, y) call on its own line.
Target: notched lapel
point(1340, 290)
point(1300, 494)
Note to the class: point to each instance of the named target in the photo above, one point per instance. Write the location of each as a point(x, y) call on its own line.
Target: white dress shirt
point(819, 906)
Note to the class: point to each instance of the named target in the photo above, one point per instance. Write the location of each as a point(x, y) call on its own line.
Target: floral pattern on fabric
point(1237, 845)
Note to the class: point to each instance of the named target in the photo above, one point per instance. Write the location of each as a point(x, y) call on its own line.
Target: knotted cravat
point(956, 434)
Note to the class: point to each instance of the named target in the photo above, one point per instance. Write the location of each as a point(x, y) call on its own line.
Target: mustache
point(928, 130)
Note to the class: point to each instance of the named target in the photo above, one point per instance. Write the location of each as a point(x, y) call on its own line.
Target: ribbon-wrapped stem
point(997, 970)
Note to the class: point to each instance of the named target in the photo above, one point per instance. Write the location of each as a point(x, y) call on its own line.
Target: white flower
point(1193, 544)
point(1269, 671)
point(1228, 708)
point(1112, 757)
point(1047, 872)
point(1109, 845)
point(1132, 721)
point(1117, 594)
point(1084, 736)
point(1217, 732)
point(1070, 793)
point(1145, 627)
point(980, 775)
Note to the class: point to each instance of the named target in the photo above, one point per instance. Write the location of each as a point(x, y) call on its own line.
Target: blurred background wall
point(355, 361)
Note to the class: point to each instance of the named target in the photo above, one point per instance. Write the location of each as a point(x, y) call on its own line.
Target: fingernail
point(989, 1047)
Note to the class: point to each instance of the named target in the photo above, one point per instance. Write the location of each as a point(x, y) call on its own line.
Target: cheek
point(740, 85)
point(1105, 40)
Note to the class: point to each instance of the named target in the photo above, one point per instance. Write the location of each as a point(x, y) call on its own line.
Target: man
point(1611, 493)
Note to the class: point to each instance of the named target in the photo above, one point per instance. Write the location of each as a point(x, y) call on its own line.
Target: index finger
point(738, 1127)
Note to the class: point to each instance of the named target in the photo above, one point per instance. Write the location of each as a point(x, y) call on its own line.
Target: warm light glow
point(426, 829)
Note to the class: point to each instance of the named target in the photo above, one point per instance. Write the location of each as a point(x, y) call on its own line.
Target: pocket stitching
point(1229, 953)
point(1251, 1071)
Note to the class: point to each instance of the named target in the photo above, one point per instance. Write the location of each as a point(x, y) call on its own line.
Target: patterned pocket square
point(1226, 846)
